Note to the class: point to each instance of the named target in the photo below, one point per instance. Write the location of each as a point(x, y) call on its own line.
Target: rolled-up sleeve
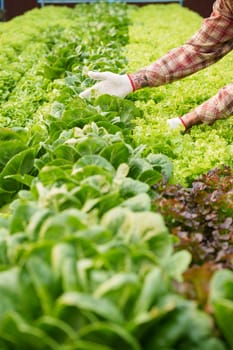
point(208, 45)
point(219, 106)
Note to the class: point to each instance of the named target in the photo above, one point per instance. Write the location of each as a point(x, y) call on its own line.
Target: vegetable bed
point(90, 256)
point(153, 33)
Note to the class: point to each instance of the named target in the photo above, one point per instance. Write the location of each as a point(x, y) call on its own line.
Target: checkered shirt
point(207, 46)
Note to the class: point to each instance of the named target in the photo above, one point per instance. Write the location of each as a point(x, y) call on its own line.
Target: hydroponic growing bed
point(108, 240)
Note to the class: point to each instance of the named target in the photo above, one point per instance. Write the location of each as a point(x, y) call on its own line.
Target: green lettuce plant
point(153, 32)
point(84, 261)
point(221, 298)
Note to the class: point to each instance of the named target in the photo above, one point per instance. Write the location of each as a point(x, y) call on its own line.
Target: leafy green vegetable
point(85, 263)
point(221, 298)
point(203, 147)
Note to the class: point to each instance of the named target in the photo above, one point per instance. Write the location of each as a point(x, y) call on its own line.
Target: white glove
point(110, 83)
point(175, 123)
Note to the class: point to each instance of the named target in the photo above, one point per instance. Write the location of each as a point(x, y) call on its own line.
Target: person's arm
point(217, 107)
point(208, 45)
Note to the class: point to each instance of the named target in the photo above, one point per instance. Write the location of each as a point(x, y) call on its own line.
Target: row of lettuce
point(154, 31)
point(199, 210)
point(85, 261)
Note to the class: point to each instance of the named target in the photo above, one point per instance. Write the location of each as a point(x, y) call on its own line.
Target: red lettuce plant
point(201, 216)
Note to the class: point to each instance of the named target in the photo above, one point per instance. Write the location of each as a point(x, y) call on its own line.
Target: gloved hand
point(175, 123)
point(110, 83)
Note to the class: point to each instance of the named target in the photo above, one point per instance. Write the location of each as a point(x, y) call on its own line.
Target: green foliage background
point(85, 263)
point(154, 30)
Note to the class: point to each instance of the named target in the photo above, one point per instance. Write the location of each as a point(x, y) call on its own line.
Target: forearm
point(166, 70)
point(208, 45)
point(217, 107)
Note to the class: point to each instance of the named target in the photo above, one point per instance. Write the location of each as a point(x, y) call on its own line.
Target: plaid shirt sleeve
point(217, 107)
point(207, 46)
